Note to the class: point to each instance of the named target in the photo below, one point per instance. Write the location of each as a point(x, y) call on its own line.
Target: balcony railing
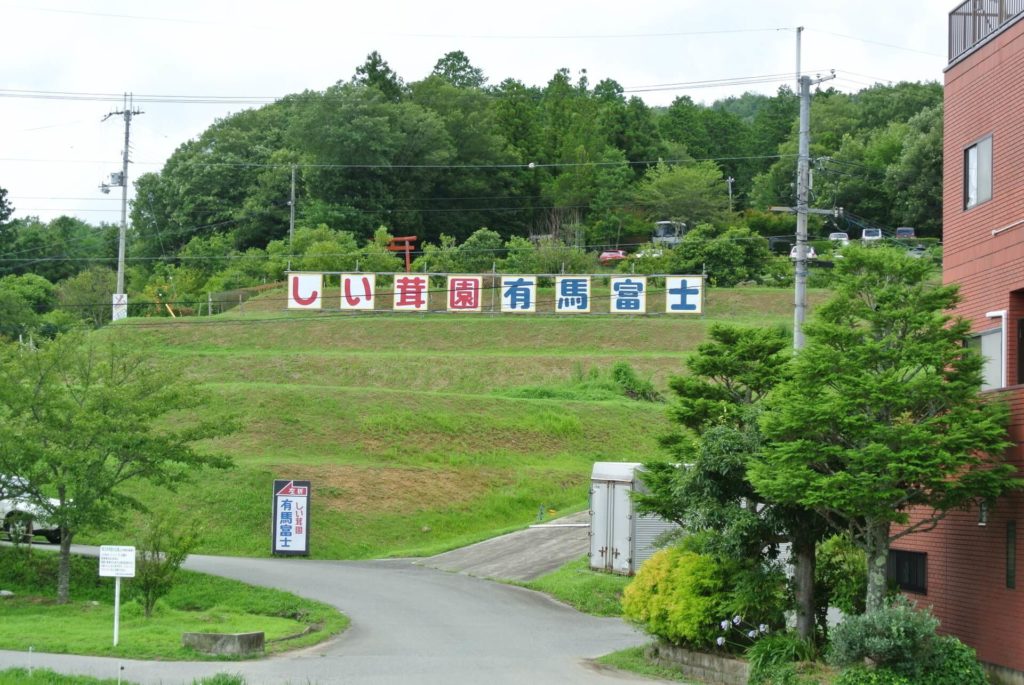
point(975, 20)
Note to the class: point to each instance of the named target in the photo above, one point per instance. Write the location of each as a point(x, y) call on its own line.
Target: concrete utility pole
point(803, 174)
point(119, 298)
point(291, 212)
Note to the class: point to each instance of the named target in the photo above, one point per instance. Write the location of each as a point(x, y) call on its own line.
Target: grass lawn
point(633, 660)
point(44, 676)
point(599, 594)
point(420, 433)
point(197, 603)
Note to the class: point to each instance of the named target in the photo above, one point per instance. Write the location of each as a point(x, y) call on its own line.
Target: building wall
point(967, 569)
point(967, 566)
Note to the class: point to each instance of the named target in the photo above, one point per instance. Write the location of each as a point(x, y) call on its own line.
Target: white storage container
point(620, 539)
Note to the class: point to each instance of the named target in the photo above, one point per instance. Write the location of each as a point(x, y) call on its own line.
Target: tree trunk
point(803, 579)
point(64, 568)
point(878, 560)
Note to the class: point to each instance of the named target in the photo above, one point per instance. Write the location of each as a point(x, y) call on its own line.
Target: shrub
point(163, 545)
point(840, 578)
point(861, 675)
point(953, 663)
point(678, 596)
point(772, 658)
point(632, 385)
point(898, 637)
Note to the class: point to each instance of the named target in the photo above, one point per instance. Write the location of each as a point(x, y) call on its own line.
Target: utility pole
point(291, 212)
point(730, 181)
point(803, 176)
point(120, 298)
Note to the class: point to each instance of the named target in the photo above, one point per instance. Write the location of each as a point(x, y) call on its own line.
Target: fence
point(218, 303)
point(975, 20)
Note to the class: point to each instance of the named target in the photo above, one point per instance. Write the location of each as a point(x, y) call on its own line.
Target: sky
point(65, 64)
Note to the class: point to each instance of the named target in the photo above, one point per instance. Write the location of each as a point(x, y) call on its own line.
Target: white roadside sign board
point(117, 562)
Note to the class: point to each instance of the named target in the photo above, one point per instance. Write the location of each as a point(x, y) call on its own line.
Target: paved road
point(410, 624)
point(522, 555)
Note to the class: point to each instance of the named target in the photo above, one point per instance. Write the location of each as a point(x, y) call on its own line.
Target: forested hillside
point(583, 164)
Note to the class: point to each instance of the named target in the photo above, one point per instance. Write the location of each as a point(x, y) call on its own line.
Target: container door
point(600, 532)
point(622, 532)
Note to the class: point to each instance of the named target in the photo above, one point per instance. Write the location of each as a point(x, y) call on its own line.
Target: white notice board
point(117, 561)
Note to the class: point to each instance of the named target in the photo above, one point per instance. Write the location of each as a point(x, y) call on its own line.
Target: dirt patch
point(396, 490)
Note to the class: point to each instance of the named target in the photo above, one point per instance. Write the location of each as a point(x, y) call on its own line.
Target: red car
point(611, 256)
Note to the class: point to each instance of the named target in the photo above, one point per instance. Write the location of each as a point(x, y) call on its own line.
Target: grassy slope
point(415, 429)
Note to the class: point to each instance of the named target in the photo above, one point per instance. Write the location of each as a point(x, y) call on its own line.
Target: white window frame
point(985, 341)
point(978, 172)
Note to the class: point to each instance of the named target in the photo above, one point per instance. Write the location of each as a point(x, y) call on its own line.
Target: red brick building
point(967, 568)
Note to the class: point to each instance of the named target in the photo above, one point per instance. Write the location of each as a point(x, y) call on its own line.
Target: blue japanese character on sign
point(285, 530)
point(683, 294)
point(627, 295)
point(573, 294)
point(518, 294)
point(286, 505)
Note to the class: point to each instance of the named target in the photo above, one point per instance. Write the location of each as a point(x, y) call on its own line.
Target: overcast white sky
point(55, 151)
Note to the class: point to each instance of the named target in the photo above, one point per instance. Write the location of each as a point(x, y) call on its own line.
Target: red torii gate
point(403, 244)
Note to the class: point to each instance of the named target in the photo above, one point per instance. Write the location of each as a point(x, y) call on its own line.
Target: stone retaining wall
point(709, 668)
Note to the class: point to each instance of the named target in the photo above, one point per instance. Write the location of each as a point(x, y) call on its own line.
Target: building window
point(978, 173)
point(908, 570)
point(1011, 554)
point(990, 346)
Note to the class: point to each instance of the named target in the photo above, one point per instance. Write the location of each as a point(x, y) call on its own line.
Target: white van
point(870, 235)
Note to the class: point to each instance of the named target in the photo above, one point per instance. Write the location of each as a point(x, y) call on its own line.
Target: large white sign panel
point(357, 291)
point(519, 294)
point(628, 295)
point(572, 294)
point(305, 291)
point(684, 294)
point(117, 561)
point(291, 517)
point(464, 293)
point(412, 293)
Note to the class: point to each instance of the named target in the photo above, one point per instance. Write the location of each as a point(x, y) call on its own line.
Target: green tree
point(881, 428)
point(695, 193)
point(729, 256)
point(376, 73)
point(88, 418)
point(456, 69)
point(916, 176)
point(162, 546)
point(35, 290)
point(87, 295)
point(717, 406)
point(16, 315)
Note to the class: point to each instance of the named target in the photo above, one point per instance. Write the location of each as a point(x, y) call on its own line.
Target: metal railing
point(975, 20)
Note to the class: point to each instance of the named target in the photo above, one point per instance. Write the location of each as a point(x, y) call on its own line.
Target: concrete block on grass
point(224, 643)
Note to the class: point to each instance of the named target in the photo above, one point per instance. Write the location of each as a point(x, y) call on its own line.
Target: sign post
point(117, 561)
point(291, 517)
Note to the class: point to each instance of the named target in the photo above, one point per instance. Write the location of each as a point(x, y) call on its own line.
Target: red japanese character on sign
point(357, 291)
point(411, 292)
point(464, 293)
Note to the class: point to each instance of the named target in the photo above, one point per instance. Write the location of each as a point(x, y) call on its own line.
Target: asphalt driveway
point(410, 624)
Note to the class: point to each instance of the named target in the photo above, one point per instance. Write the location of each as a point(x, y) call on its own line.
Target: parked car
point(917, 251)
point(811, 254)
point(842, 239)
point(905, 233)
point(870, 235)
point(18, 515)
point(611, 256)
